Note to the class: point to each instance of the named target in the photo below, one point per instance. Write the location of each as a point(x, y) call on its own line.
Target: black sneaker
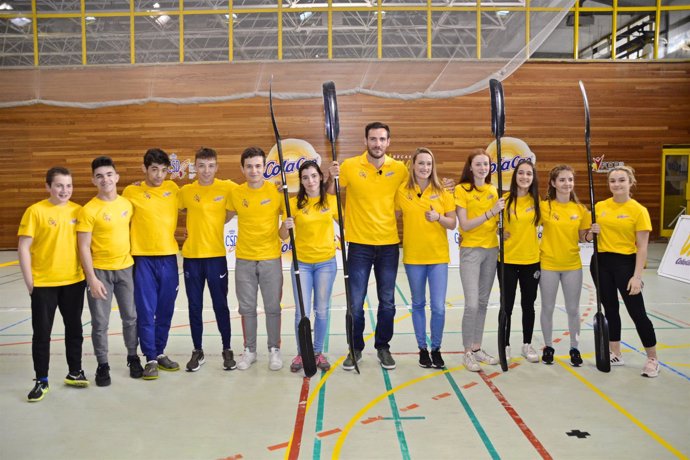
point(575, 358)
point(39, 391)
point(436, 359)
point(103, 375)
point(349, 363)
point(135, 369)
point(229, 363)
point(77, 379)
point(547, 355)
point(385, 358)
point(197, 360)
point(424, 360)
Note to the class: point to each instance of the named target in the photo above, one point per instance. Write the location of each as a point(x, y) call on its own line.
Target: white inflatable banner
point(676, 261)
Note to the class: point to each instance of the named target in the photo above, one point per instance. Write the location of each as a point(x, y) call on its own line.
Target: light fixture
point(20, 22)
point(156, 5)
point(90, 19)
point(5, 6)
point(502, 13)
point(305, 15)
point(162, 19)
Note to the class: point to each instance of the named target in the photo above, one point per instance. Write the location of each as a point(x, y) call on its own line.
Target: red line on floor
point(234, 457)
point(371, 420)
point(670, 317)
point(516, 418)
point(323, 434)
point(442, 395)
point(410, 407)
point(282, 445)
point(469, 385)
point(299, 420)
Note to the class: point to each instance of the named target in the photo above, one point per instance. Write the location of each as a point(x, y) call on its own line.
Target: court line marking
point(9, 264)
point(622, 410)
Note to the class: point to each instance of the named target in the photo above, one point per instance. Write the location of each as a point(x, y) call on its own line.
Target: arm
point(284, 230)
point(229, 215)
point(332, 172)
point(467, 224)
point(446, 220)
point(582, 235)
point(97, 288)
point(635, 283)
point(24, 254)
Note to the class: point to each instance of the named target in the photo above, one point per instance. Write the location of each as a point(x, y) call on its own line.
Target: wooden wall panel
point(636, 108)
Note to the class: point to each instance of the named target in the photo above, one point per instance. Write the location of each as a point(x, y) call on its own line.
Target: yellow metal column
point(330, 29)
point(83, 32)
point(429, 35)
point(231, 25)
point(614, 29)
point(181, 16)
point(34, 21)
point(280, 30)
point(132, 48)
point(576, 32)
point(479, 29)
point(657, 25)
point(379, 30)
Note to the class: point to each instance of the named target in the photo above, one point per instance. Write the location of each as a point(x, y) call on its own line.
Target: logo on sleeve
point(622, 216)
point(266, 201)
point(574, 217)
point(219, 198)
point(125, 213)
point(197, 198)
point(362, 174)
point(390, 173)
point(166, 194)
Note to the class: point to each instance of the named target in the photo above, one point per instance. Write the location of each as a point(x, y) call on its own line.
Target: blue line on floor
point(465, 404)
point(399, 431)
point(14, 324)
point(672, 369)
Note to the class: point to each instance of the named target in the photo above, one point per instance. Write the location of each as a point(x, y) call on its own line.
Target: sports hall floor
point(532, 411)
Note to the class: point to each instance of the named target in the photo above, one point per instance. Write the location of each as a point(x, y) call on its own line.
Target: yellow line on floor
point(348, 426)
point(9, 264)
point(620, 409)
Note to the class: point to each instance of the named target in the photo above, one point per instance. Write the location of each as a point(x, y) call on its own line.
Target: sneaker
point(151, 370)
point(296, 364)
point(275, 361)
point(385, 358)
point(529, 353)
point(322, 362)
point(167, 364)
point(135, 369)
point(103, 375)
point(424, 359)
point(229, 363)
point(651, 368)
point(575, 358)
point(38, 392)
point(196, 360)
point(508, 353)
point(246, 360)
point(436, 359)
point(616, 360)
point(471, 363)
point(483, 357)
point(349, 363)
point(77, 379)
point(547, 355)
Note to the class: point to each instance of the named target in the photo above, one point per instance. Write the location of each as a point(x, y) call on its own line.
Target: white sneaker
point(484, 357)
point(471, 363)
point(508, 353)
point(275, 362)
point(529, 353)
point(651, 368)
point(616, 360)
point(246, 360)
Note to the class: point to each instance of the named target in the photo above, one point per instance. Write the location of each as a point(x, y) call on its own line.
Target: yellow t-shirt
point(424, 242)
point(314, 234)
point(522, 247)
point(370, 213)
point(258, 211)
point(54, 252)
point(619, 223)
point(108, 223)
point(477, 202)
point(559, 248)
point(152, 232)
point(206, 207)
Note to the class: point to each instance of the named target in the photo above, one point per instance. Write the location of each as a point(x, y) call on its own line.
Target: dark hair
point(251, 152)
point(205, 153)
point(532, 191)
point(467, 177)
point(56, 171)
point(102, 161)
point(553, 175)
point(157, 156)
point(302, 193)
point(376, 125)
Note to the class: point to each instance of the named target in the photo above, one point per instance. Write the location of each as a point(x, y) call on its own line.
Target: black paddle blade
point(601, 342)
point(498, 116)
point(306, 347)
point(330, 107)
point(349, 330)
point(502, 336)
point(586, 102)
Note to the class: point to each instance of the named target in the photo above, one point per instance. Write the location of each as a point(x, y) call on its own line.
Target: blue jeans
point(384, 259)
point(318, 278)
point(417, 275)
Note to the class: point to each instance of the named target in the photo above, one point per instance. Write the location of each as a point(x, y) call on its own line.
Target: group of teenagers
point(124, 246)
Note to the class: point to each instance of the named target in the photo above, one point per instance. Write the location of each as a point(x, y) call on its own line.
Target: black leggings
point(528, 277)
point(615, 270)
